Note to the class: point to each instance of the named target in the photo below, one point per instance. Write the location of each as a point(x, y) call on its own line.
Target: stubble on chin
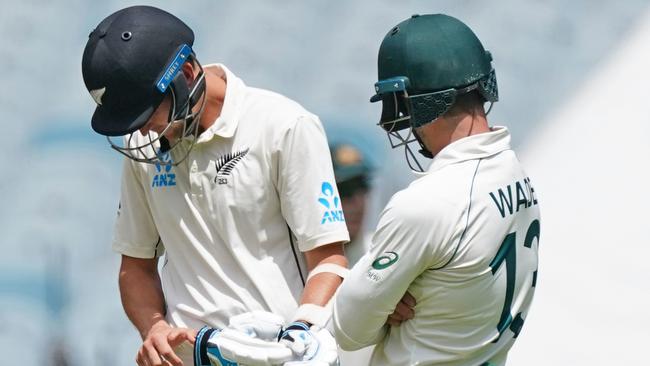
point(174, 132)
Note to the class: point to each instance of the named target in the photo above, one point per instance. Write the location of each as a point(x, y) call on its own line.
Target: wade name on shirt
point(509, 202)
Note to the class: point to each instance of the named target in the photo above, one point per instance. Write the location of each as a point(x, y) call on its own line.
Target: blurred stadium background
point(573, 81)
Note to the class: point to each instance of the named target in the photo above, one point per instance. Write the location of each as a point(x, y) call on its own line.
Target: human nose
point(145, 129)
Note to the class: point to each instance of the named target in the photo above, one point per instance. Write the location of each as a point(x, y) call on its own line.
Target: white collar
point(472, 147)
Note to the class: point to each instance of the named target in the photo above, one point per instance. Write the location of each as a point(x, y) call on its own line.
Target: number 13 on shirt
point(507, 254)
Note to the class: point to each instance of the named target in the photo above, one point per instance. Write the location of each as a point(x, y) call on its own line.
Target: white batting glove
point(311, 346)
point(250, 339)
point(259, 324)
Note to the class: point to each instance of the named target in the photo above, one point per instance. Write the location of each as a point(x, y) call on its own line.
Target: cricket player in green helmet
point(452, 269)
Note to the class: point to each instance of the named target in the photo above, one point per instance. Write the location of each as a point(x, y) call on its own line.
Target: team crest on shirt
point(164, 176)
point(332, 204)
point(226, 163)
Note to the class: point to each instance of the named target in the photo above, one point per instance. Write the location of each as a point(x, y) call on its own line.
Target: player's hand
point(310, 345)
point(231, 347)
point(250, 339)
point(157, 347)
point(403, 311)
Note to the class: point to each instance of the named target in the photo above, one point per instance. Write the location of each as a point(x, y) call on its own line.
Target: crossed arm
point(320, 289)
point(144, 304)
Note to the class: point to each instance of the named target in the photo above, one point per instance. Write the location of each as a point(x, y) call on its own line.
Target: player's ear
point(188, 72)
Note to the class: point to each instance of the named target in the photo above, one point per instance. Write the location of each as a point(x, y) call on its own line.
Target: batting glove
point(259, 324)
point(311, 346)
point(250, 339)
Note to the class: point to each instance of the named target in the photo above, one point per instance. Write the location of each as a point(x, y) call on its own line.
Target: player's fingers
point(164, 347)
point(408, 299)
point(140, 358)
point(151, 355)
point(180, 335)
point(176, 337)
point(404, 311)
point(166, 351)
point(393, 321)
point(191, 333)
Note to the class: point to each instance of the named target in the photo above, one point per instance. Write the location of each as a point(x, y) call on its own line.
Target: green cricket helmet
point(351, 168)
point(424, 63)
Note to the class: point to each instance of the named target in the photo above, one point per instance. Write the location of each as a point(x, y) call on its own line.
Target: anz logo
point(164, 176)
point(332, 204)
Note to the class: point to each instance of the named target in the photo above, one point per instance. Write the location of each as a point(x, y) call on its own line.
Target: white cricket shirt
point(463, 240)
point(223, 215)
point(358, 247)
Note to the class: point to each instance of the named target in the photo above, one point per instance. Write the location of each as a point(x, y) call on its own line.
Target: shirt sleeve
point(135, 233)
point(403, 248)
point(309, 197)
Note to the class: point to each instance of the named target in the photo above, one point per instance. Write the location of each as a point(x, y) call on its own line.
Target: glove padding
point(259, 324)
point(311, 346)
point(250, 339)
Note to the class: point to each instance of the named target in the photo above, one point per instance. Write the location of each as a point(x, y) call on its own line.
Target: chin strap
point(424, 151)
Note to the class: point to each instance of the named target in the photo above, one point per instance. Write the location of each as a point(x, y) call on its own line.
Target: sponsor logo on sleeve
point(382, 262)
point(385, 261)
point(332, 204)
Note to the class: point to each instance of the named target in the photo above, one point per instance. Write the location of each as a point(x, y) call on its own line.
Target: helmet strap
point(423, 151)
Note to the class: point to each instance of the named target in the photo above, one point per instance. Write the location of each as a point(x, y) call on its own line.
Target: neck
point(469, 125)
point(215, 89)
point(447, 129)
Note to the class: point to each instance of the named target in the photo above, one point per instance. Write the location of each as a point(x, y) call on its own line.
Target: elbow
point(136, 272)
point(350, 335)
point(349, 342)
point(346, 344)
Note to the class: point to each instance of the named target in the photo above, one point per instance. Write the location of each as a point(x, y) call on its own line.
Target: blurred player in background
point(353, 174)
point(353, 177)
point(234, 184)
point(452, 269)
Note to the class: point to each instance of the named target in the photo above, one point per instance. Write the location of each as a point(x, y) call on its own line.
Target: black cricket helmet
point(131, 62)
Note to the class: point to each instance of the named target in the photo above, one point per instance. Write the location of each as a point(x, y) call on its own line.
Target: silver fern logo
point(226, 163)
